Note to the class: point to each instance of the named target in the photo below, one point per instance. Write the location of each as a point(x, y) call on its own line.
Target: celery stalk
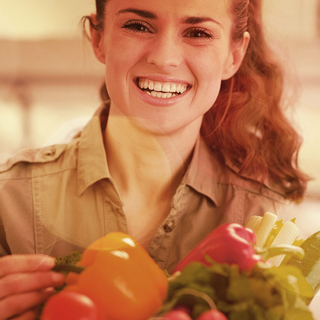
point(287, 235)
point(253, 223)
point(264, 228)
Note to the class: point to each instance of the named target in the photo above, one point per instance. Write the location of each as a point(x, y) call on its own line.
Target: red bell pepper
point(230, 243)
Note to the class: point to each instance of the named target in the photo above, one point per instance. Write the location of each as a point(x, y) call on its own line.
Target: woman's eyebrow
point(196, 20)
point(141, 13)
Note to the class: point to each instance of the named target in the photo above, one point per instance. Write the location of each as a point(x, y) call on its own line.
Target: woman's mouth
point(163, 90)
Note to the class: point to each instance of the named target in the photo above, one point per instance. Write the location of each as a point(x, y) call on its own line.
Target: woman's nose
point(165, 52)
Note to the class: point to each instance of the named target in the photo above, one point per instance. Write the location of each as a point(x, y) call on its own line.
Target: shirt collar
point(202, 174)
point(92, 160)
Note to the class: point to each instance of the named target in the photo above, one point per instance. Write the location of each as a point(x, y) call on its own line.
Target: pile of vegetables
point(259, 271)
point(224, 272)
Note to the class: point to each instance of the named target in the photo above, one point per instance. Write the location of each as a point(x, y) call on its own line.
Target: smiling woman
point(191, 134)
point(228, 126)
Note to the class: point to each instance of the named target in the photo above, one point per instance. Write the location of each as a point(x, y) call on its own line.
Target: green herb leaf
point(292, 280)
point(72, 258)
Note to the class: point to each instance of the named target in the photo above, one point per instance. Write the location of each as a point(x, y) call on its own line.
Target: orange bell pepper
point(120, 278)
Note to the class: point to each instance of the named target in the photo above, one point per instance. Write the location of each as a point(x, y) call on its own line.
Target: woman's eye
point(137, 26)
point(198, 33)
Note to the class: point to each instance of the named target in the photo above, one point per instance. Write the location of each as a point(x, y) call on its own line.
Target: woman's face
point(165, 59)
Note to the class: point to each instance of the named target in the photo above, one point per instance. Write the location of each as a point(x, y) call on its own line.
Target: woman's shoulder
point(265, 186)
point(28, 162)
point(218, 170)
point(59, 152)
point(256, 185)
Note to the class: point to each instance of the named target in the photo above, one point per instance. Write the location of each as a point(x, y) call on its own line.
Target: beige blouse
point(59, 199)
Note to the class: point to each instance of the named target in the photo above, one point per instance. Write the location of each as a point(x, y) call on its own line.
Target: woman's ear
point(236, 57)
point(97, 40)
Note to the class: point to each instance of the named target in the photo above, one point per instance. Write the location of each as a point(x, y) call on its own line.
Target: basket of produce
point(260, 271)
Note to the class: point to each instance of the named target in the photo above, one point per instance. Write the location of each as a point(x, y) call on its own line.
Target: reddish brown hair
point(247, 125)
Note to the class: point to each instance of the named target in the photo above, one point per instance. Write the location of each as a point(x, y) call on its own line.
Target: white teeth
point(143, 84)
point(159, 87)
point(161, 95)
point(173, 87)
point(166, 87)
point(151, 85)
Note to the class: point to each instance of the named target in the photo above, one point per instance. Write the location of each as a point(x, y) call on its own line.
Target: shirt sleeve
point(16, 216)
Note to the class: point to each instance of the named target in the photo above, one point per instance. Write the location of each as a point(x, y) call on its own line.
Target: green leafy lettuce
point(264, 293)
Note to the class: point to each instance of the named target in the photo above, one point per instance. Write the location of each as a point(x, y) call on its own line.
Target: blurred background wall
point(49, 77)
point(48, 74)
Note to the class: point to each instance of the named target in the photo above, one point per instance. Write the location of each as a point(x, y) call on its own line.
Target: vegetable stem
point(68, 268)
point(273, 251)
point(198, 294)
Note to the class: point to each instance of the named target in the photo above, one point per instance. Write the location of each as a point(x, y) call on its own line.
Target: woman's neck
point(150, 164)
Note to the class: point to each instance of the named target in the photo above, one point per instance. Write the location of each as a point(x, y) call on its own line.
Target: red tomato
point(69, 306)
point(212, 315)
point(176, 315)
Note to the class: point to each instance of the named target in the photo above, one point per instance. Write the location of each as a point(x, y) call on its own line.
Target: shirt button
point(168, 226)
point(49, 151)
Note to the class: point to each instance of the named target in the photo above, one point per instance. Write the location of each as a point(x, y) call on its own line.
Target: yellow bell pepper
point(121, 278)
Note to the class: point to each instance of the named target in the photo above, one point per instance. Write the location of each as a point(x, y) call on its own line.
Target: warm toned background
point(49, 77)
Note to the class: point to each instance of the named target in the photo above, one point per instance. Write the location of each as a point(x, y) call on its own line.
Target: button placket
point(176, 207)
point(113, 212)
